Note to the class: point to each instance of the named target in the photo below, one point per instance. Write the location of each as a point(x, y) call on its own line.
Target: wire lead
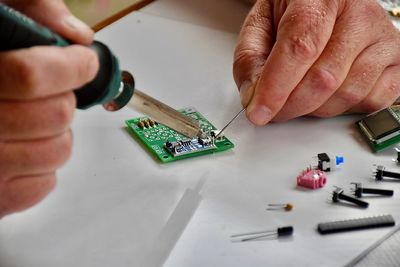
point(286, 207)
point(229, 123)
point(279, 232)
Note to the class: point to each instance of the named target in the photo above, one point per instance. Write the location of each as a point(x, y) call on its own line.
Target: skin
point(37, 105)
point(293, 58)
point(320, 58)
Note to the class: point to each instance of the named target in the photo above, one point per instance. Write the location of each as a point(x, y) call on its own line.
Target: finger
point(362, 77)
point(46, 117)
point(303, 32)
point(43, 71)
point(384, 93)
point(24, 192)
point(34, 157)
point(255, 42)
point(328, 73)
point(55, 15)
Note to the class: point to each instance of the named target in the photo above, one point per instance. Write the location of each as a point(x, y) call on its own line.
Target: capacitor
point(286, 207)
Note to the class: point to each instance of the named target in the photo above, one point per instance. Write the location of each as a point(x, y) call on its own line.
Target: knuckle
point(371, 9)
point(64, 148)
point(302, 48)
point(304, 43)
point(27, 75)
point(65, 110)
point(323, 81)
point(350, 97)
point(54, 154)
point(248, 65)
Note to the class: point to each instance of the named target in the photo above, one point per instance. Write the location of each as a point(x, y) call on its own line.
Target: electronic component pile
point(168, 145)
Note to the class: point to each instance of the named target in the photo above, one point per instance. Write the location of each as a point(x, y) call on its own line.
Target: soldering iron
point(111, 87)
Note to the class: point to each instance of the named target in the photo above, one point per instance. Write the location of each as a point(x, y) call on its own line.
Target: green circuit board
point(168, 145)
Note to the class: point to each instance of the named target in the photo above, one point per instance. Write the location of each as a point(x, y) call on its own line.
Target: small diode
point(267, 234)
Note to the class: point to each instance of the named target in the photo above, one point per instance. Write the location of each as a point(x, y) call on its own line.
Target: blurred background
point(99, 13)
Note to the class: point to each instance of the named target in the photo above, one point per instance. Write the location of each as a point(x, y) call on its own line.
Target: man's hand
point(322, 58)
point(37, 105)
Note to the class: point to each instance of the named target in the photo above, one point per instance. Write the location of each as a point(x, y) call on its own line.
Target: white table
point(113, 200)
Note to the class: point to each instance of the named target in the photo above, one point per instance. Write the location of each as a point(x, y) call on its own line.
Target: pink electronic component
point(311, 178)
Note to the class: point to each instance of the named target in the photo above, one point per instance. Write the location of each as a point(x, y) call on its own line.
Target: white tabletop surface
point(113, 201)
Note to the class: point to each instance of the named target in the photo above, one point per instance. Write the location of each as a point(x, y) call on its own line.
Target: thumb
point(55, 15)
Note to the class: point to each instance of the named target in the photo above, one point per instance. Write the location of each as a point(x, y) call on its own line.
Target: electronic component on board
point(381, 129)
point(168, 145)
point(188, 146)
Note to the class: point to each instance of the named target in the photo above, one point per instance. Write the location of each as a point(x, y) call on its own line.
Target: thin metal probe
point(258, 237)
point(229, 123)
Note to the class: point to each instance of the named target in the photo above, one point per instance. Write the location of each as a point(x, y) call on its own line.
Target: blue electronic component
point(188, 146)
point(328, 162)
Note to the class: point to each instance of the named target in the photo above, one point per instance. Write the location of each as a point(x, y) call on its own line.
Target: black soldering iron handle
point(353, 200)
point(18, 31)
point(382, 192)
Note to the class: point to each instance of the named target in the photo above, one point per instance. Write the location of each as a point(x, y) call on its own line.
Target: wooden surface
point(100, 13)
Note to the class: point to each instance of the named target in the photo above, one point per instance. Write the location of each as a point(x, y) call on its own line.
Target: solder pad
point(155, 138)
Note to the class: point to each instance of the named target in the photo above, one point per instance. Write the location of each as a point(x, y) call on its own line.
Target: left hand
point(320, 58)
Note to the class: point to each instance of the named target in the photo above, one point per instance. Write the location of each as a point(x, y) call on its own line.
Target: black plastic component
point(338, 195)
point(359, 191)
point(323, 157)
point(96, 91)
point(18, 31)
point(356, 224)
point(381, 174)
point(285, 231)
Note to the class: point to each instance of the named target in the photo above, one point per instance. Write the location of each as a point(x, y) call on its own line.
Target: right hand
point(37, 105)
